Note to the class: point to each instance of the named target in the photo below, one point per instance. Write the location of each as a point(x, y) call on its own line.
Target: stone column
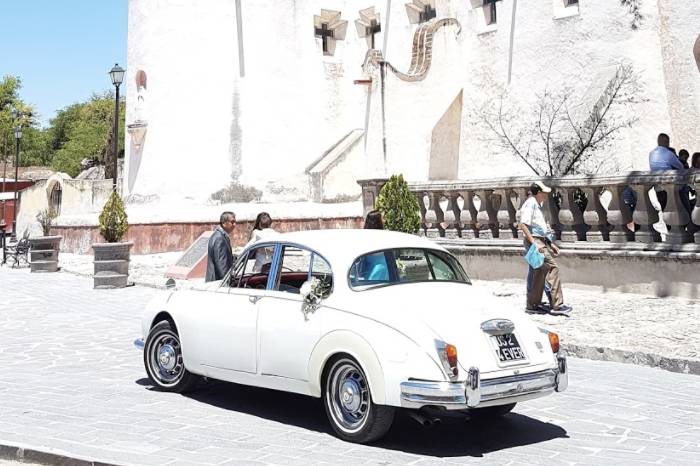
point(595, 215)
point(467, 217)
point(675, 215)
point(619, 215)
point(645, 215)
point(569, 215)
point(451, 215)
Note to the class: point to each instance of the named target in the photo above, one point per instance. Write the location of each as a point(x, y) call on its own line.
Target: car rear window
point(405, 265)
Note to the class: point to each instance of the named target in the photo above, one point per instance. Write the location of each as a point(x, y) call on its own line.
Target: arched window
point(55, 198)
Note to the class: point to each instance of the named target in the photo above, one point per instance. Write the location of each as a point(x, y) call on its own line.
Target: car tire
point(492, 412)
point(347, 399)
point(162, 357)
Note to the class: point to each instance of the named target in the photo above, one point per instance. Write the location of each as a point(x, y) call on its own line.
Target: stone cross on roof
point(368, 25)
point(420, 11)
point(329, 28)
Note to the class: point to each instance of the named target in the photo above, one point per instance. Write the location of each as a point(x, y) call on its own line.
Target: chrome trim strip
point(139, 344)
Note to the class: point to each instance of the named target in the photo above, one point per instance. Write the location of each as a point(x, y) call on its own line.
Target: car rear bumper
point(474, 392)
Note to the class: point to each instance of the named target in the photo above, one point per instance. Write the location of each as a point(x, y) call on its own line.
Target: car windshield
point(405, 265)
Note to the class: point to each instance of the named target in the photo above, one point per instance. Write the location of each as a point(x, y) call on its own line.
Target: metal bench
point(18, 252)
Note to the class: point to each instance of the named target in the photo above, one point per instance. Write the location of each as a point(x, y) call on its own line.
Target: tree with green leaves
point(83, 131)
point(399, 207)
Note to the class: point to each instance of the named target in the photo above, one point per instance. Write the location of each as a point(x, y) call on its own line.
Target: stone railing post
point(370, 193)
point(595, 216)
point(619, 215)
point(675, 215)
point(433, 215)
point(645, 215)
point(451, 215)
point(505, 214)
point(522, 197)
point(486, 215)
point(695, 218)
point(569, 215)
point(467, 217)
point(421, 207)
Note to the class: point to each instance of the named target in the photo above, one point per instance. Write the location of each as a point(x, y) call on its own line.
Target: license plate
point(508, 348)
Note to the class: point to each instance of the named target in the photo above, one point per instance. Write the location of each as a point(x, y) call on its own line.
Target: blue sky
point(61, 49)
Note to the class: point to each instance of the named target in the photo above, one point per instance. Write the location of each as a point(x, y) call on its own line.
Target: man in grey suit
point(220, 255)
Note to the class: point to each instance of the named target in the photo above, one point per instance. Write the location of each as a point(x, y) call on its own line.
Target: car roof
point(342, 246)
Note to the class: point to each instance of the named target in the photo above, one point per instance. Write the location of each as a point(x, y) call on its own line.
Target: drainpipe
point(382, 76)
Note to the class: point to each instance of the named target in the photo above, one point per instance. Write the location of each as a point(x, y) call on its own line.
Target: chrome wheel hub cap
point(350, 395)
point(167, 357)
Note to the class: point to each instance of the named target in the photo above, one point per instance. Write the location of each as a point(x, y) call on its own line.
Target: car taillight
point(553, 341)
point(448, 358)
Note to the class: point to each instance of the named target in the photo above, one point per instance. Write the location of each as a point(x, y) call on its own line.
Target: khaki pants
point(549, 272)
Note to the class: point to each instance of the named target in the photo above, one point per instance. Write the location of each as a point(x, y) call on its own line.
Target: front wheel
point(162, 356)
point(349, 407)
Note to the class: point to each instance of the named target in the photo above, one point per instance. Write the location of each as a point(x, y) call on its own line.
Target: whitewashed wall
point(206, 123)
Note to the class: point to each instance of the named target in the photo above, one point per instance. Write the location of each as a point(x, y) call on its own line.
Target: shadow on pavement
point(453, 437)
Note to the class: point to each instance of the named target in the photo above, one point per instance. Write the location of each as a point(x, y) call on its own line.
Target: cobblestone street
point(72, 383)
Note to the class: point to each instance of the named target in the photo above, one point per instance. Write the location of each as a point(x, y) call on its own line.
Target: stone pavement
point(614, 326)
point(72, 384)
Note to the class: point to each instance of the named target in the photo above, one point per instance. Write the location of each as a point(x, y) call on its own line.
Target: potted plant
point(44, 249)
point(399, 207)
point(112, 258)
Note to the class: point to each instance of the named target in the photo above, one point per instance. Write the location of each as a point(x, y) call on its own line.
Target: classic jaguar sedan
point(370, 321)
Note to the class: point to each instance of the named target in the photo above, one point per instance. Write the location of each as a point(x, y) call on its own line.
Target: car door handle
point(254, 299)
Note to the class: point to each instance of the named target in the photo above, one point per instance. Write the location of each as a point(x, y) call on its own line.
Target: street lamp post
point(18, 137)
point(117, 76)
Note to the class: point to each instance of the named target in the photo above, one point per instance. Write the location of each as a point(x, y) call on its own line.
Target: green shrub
point(113, 220)
point(399, 207)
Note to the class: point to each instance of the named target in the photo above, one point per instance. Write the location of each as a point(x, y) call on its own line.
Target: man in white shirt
point(536, 231)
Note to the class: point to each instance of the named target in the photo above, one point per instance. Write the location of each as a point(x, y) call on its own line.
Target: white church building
point(283, 95)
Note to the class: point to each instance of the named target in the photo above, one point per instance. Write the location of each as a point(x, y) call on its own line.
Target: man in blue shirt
point(662, 158)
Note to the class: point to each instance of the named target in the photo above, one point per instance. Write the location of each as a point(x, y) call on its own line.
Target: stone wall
point(165, 237)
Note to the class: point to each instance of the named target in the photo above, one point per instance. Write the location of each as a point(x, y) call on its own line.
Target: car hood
point(453, 313)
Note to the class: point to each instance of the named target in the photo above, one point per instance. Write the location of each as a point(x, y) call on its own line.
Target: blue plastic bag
point(534, 257)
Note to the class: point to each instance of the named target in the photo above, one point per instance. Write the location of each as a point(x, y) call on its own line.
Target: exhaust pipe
point(424, 421)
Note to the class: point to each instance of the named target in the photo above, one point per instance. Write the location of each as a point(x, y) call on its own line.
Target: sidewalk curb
point(639, 358)
point(30, 455)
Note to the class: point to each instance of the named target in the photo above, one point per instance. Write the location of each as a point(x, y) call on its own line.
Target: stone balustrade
point(588, 209)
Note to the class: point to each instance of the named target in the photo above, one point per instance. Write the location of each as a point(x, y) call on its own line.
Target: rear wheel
point(162, 357)
point(348, 402)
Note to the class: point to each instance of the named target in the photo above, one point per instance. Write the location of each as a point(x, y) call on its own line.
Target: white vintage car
point(371, 321)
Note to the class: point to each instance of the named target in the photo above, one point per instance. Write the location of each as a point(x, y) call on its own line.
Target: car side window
point(253, 270)
point(370, 269)
point(294, 269)
point(442, 269)
point(412, 265)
